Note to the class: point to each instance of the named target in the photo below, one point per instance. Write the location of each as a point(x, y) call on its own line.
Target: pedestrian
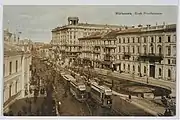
point(20, 113)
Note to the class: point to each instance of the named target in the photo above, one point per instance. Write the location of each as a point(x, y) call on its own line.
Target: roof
point(131, 30)
point(11, 49)
point(114, 33)
point(95, 35)
point(87, 25)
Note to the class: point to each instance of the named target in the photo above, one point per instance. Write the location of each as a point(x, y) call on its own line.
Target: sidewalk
point(32, 109)
point(155, 82)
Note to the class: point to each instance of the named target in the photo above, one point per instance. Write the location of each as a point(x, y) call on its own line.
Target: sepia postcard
point(107, 60)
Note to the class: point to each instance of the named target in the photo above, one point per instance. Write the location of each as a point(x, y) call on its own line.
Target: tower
point(73, 20)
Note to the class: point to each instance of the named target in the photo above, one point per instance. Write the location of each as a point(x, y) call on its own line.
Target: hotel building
point(67, 36)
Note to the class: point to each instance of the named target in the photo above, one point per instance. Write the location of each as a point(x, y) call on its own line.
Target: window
point(138, 68)
point(133, 39)
point(127, 40)
point(174, 38)
point(169, 73)
point(119, 40)
point(133, 68)
point(123, 40)
point(168, 50)
point(10, 68)
point(169, 61)
point(169, 38)
point(173, 61)
point(160, 71)
point(144, 69)
point(16, 65)
point(144, 39)
point(160, 52)
point(138, 39)
point(152, 39)
point(129, 67)
point(124, 66)
point(151, 48)
point(144, 49)
point(119, 48)
point(160, 39)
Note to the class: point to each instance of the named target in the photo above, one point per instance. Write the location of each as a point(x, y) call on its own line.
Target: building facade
point(16, 73)
point(67, 36)
point(143, 51)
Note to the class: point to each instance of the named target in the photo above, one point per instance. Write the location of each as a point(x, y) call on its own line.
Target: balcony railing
point(152, 57)
point(110, 46)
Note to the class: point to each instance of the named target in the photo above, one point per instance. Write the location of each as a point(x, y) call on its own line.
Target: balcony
point(109, 46)
point(151, 57)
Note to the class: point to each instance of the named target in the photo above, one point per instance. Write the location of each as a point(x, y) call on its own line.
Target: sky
point(36, 22)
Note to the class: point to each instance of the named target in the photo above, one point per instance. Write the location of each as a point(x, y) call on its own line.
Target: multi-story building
point(67, 36)
point(143, 51)
point(16, 73)
point(98, 49)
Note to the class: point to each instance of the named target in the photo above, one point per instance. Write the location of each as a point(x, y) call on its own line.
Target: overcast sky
point(36, 22)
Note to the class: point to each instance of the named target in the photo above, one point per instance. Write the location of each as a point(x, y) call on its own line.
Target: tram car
point(78, 90)
point(101, 94)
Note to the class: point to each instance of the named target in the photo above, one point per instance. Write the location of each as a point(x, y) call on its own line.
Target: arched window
point(169, 73)
point(160, 71)
point(160, 39)
point(151, 49)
